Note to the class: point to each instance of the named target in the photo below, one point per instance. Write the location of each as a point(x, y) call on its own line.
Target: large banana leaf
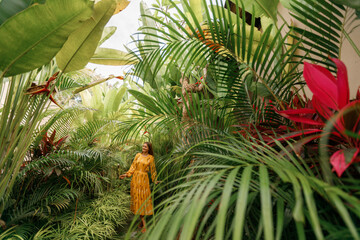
point(9, 8)
point(32, 38)
point(82, 43)
point(108, 56)
point(107, 33)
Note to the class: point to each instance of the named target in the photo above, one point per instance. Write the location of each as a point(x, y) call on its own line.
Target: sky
point(127, 23)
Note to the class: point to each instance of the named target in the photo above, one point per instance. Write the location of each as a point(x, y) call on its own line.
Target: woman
point(140, 188)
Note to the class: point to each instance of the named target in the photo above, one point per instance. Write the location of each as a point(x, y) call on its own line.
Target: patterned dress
point(141, 202)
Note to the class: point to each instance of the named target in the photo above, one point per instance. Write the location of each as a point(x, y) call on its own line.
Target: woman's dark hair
point(150, 148)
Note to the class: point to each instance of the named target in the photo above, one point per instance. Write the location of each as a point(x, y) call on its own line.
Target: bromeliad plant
point(330, 101)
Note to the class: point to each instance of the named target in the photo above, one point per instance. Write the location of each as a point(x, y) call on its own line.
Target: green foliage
point(265, 192)
point(108, 56)
point(80, 47)
point(107, 33)
point(97, 219)
point(25, 52)
point(110, 103)
point(20, 117)
point(8, 8)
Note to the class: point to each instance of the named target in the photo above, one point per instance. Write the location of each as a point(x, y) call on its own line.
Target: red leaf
point(296, 111)
point(52, 137)
point(53, 77)
point(342, 83)
point(322, 110)
point(67, 180)
point(302, 120)
point(322, 84)
point(60, 142)
point(299, 133)
point(342, 159)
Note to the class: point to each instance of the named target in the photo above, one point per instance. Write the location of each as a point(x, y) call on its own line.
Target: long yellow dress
point(141, 202)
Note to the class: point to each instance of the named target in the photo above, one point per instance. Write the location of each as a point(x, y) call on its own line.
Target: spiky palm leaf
point(262, 195)
point(238, 53)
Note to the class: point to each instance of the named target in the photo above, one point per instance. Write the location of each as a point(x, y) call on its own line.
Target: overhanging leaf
point(9, 8)
point(32, 37)
point(107, 33)
point(108, 56)
point(82, 43)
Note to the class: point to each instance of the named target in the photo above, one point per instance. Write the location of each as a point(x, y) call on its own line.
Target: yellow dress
point(141, 202)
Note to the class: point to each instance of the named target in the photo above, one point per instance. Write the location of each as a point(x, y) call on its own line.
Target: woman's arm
point(131, 170)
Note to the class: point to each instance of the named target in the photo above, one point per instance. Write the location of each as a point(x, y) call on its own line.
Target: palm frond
point(256, 187)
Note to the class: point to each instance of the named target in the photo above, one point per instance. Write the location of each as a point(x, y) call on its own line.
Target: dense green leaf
point(27, 44)
point(82, 43)
point(8, 8)
point(107, 33)
point(108, 56)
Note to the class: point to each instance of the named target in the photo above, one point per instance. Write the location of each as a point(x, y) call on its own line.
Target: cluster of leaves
point(71, 33)
point(252, 75)
point(101, 218)
point(54, 179)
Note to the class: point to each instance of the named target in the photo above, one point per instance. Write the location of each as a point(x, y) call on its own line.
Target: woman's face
point(145, 148)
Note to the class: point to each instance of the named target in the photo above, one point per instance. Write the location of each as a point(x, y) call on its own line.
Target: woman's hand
point(122, 176)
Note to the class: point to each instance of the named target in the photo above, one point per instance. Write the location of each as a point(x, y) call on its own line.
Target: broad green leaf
point(119, 98)
point(112, 99)
point(107, 33)
point(147, 101)
point(109, 101)
point(82, 43)
point(9, 8)
point(32, 37)
point(197, 8)
point(109, 56)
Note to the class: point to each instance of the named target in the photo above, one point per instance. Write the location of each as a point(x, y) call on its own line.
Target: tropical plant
point(20, 116)
point(324, 102)
point(257, 187)
point(250, 72)
point(52, 185)
point(44, 38)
